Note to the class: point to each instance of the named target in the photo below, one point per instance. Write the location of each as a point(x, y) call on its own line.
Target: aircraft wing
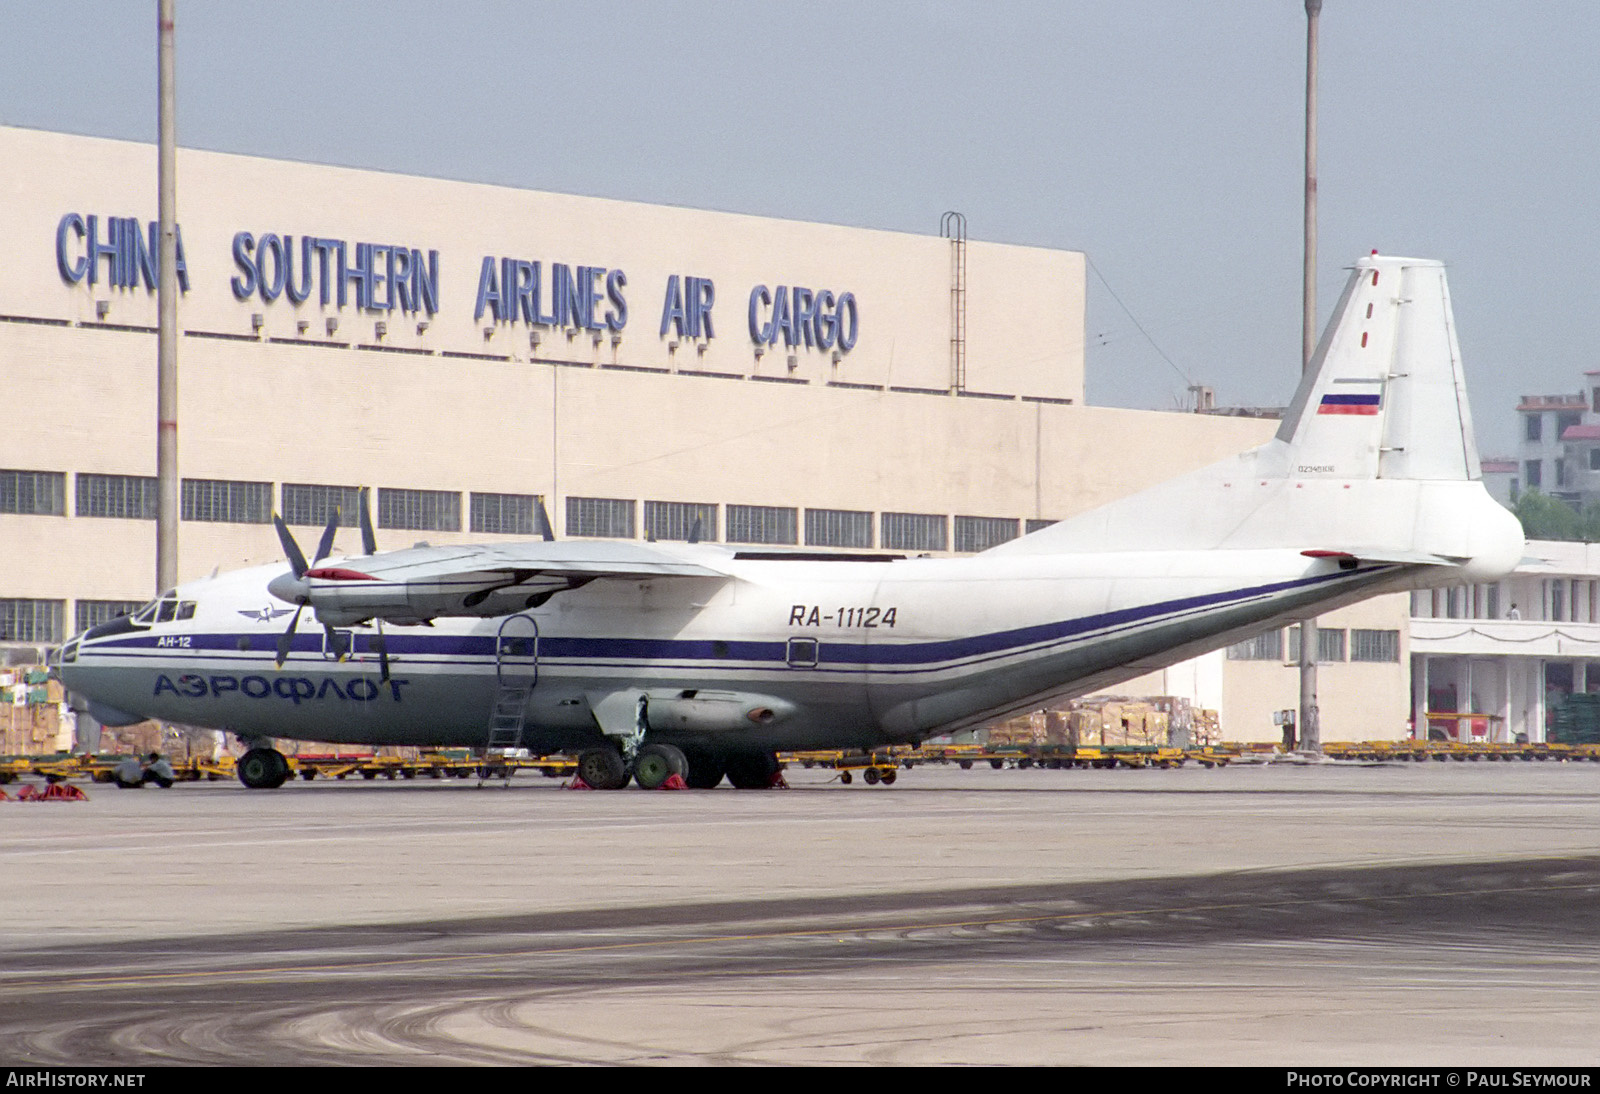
point(484, 580)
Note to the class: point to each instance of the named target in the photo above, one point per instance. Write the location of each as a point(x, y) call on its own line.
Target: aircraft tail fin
point(1385, 396)
point(1374, 456)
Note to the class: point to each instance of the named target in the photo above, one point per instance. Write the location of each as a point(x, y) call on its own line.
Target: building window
point(838, 528)
point(31, 620)
point(1263, 647)
point(677, 520)
point(611, 517)
point(1566, 421)
point(1531, 471)
point(1594, 459)
point(419, 510)
point(311, 504)
point(982, 533)
point(1374, 645)
point(503, 514)
point(1330, 645)
point(1561, 472)
point(1033, 526)
point(92, 613)
point(227, 502)
point(131, 497)
point(1534, 427)
point(762, 524)
point(39, 493)
point(915, 531)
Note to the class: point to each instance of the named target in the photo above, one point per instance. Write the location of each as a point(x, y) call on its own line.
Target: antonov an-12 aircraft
point(702, 660)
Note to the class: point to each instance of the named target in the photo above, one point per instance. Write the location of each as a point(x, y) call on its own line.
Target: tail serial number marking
point(811, 615)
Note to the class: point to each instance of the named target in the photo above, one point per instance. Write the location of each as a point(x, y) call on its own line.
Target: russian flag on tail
point(1349, 403)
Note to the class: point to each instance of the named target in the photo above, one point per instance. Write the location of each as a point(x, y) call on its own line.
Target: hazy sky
point(1162, 137)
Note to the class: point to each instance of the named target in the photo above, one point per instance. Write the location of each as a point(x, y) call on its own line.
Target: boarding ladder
point(516, 673)
point(505, 721)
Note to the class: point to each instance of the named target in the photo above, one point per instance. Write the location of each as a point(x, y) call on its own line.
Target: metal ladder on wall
point(953, 226)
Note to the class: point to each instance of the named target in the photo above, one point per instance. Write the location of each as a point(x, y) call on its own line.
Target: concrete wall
point(467, 403)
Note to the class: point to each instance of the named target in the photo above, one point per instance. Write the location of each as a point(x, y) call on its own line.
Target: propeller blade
point(542, 524)
point(381, 644)
point(369, 539)
point(326, 543)
point(338, 643)
point(291, 549)
point(286, 639)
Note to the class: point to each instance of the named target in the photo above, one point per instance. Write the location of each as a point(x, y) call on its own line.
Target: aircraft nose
point(289, 589)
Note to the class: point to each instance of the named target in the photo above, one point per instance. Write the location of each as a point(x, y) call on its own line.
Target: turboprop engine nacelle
point(701, 710)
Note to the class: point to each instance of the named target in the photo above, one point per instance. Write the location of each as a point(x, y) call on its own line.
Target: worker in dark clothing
point(157, 770)
point(130, 773)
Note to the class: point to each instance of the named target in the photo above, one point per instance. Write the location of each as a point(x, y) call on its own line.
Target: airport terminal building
point(467, 352)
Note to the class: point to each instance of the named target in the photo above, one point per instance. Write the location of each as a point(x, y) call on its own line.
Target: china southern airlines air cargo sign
point(389, 277)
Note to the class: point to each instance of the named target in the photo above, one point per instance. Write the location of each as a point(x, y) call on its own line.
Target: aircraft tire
point(603, 768)
point(752, 770)
point(658, 763)
point(263, 769)
point(705, 770)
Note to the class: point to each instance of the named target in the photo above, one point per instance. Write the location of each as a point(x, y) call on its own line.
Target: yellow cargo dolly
point(879, 768)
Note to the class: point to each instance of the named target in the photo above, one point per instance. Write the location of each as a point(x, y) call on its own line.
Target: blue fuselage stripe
point(882, 653)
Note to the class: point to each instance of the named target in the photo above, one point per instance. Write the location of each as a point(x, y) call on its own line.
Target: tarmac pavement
point(1323, 915)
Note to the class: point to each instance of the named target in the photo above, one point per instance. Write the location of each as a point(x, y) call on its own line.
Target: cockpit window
point(165, 610)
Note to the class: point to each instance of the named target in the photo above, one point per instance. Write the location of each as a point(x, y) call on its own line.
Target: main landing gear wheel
point(603, 768)
point(658, 763)
point(752, 770)
point(705, 769)
point(263, 769)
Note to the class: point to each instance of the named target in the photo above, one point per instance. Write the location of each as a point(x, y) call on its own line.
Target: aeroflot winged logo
point(264, 615)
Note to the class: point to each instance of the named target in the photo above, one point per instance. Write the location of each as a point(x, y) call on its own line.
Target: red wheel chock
point(55, 792)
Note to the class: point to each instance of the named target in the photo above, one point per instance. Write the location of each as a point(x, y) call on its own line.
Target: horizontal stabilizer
point(1385, 554)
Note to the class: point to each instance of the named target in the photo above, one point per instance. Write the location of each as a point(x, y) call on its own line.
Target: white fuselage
point(777, 654)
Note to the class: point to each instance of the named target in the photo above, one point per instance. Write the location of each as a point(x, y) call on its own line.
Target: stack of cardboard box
point(31, 712)
point(1160, 721)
